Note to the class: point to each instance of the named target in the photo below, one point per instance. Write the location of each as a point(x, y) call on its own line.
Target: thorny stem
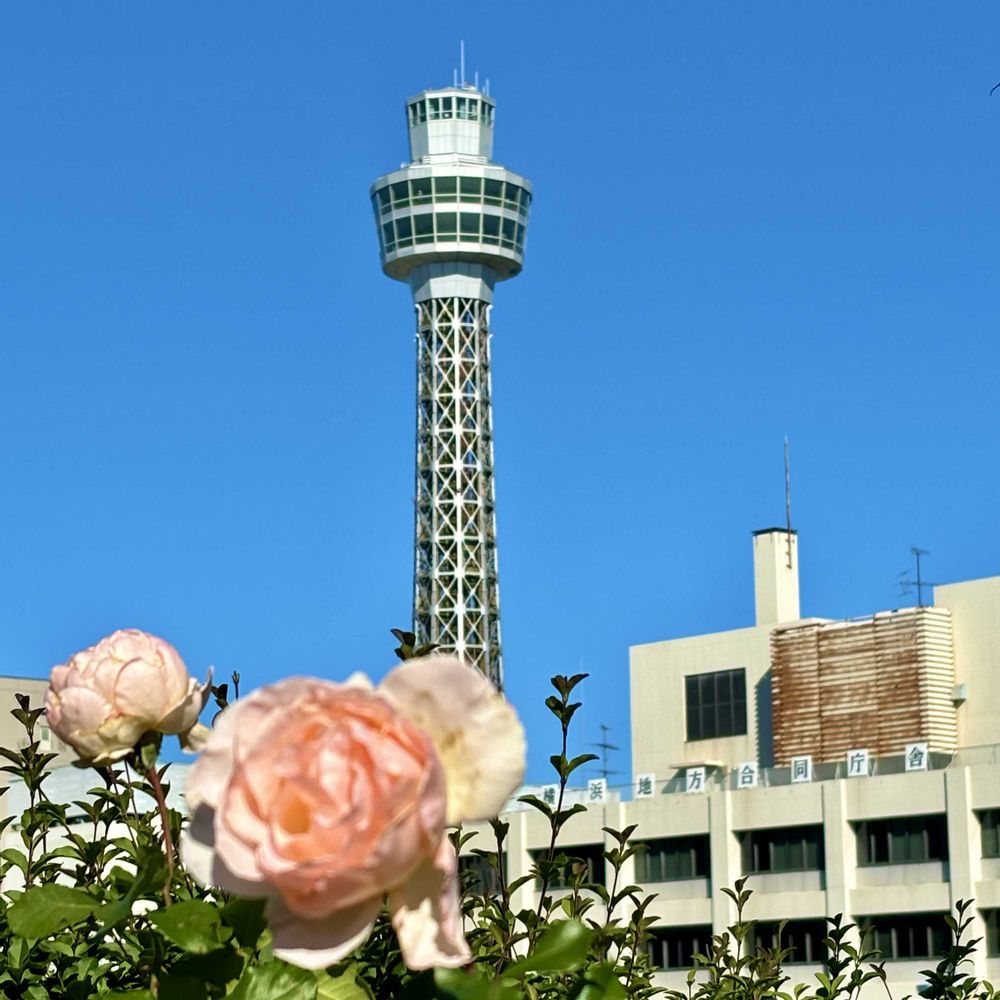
point(168, 837)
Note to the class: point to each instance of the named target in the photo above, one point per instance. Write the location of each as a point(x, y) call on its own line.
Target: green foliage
point(94, 903)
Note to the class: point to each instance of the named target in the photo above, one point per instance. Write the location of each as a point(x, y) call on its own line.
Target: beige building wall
point(975, 617)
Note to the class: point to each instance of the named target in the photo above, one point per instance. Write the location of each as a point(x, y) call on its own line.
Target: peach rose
point(103, 699)
point(331, 798)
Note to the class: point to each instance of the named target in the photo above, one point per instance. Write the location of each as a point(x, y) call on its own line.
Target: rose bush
point(330, 799)
point(105, 698)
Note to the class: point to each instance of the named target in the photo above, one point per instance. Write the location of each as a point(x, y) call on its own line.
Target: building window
point(782, 849)
point(483, 878)
point(675, 947)
point(582, 859)
point(672, 859)
point(803, 937)
point(989, 828)
point(992, 944)
point(716, 704)
point(910, 935)
point(902, 840)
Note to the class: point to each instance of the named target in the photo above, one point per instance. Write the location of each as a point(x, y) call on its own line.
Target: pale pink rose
point(103, 699)
point(331, 799)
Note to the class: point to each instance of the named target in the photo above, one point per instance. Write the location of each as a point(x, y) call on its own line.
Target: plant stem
point(168, 837)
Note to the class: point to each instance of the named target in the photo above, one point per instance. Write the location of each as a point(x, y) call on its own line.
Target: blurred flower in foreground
point(331, 798)
point(102, 700)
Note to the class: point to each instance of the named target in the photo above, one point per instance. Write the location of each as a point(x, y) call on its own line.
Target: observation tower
point(451, 223)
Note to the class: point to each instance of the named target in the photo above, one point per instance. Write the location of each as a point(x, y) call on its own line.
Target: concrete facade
point(899, 844)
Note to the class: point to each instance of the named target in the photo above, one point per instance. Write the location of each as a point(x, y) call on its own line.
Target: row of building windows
point(899, 936)
point(451, 227)
point(902, 840)
point(432, 109)
point(478, 190)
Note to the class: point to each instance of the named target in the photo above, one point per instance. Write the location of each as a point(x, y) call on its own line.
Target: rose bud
point(332, 799)
point(102, 700)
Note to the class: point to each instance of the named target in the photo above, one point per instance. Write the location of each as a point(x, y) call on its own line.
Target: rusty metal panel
point(878, 682)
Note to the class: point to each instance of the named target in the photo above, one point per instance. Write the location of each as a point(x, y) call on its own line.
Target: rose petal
point(195, 739)
point(475, 732)
point(315, 944)
point(427, 915)
point(198, 854)
point(184, 714)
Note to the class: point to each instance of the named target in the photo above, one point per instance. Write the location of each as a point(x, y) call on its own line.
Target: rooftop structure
point(452, 224)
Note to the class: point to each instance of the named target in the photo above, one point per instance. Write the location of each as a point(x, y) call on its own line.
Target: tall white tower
point(452, 224)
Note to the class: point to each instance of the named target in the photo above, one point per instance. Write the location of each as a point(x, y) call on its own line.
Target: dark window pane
point(444, 188)
point(447, 223)
point(400, 192)
point(992, 944)
point(470, 222)
point(989, 825)
point(675, 947)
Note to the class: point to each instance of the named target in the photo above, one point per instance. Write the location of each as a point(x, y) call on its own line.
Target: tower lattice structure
point(452, 224)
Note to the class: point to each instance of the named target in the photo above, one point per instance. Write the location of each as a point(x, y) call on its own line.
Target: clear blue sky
point(749, 220)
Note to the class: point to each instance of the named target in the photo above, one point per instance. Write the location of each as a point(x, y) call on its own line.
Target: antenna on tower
point(486, 87)
point(454, 78)
point(788, 503)
point(477, 79)
point(461, 60)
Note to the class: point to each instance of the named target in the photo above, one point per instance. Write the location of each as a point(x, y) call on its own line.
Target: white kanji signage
point(645, 786)
point(857, 763)
point(694, 779)
point(746, 775)
point(597, 790)
point(802, 769)
point(916, 757)
point(550, 795)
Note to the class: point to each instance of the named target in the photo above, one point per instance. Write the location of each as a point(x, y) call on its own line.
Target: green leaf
point(563, 946)
point(275, 981)
point(473, 986)
point(45, 909)
point(246, 917)
point(344, 986)
point(17, 952)
point(194, 925)
point(181, 988)
point(601, 983)
point(128, 995)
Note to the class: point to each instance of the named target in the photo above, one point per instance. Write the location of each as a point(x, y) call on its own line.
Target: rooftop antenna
point(788, 503)
point(908, 584)
point(454, 78)
point(486, 87)
point(461, 60)
point(477, 79)
point(605, 746)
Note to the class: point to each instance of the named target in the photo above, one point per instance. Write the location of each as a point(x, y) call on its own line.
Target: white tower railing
point(452, 224)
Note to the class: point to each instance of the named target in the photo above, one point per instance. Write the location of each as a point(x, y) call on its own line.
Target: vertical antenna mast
point(917, 553)
point(788, 503)
point(461, 60)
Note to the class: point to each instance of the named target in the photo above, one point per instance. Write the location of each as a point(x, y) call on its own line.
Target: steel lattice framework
point(456, 598)
point(452, 224)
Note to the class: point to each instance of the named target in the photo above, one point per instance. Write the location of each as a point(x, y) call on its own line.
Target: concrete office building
point(846, 766)
point(452, 224)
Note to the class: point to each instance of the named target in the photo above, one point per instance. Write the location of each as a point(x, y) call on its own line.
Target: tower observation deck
point(452, 224)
